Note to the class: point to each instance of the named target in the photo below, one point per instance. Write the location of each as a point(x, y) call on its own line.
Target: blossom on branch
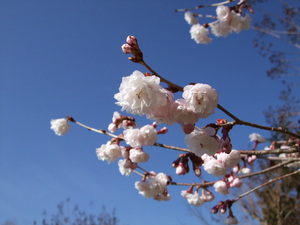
point(221, 187)
point(60, 126)
point(126, 167)
point(199, 34)
point(109, 152)
point(193, 198)
point(119, 121)
point(136, 138)
point(203, 99)
point(229, 160)
point(140, 94)
point(137, 155)
point(257, 138)
point(202, 141)
point(190, 18)
point(214, 166)
point(229, 21)
point(154, 186)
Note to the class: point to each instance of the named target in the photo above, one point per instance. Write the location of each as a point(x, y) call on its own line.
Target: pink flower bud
point(180, 169)
point(126, 48)
point(236, 182)
point(131, 40)
point(163, 130)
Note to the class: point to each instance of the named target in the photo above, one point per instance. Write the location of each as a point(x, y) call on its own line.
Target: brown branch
point(265, 184)
point(257, 152)
point(237, 120)
point(267, 170)
point(173, 147)
point(266, 152)
point(177, 87)
point(208, 184)
point(203, 6)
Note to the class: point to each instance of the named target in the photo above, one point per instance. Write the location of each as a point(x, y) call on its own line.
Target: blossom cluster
point(228, 20)
point(142, 94)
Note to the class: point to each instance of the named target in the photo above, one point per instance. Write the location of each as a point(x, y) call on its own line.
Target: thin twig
point(207, 184)
point(257, 152)
point(237, 120)
point(265, 184)
point(267, 170)
point(203, 6)
point(267, 152)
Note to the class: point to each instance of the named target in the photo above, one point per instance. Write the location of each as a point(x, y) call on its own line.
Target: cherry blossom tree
point(209, 148)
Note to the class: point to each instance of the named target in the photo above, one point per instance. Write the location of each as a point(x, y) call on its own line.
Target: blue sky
point(63, 57)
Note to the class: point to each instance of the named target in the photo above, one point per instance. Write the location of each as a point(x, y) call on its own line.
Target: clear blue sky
point(63, 57)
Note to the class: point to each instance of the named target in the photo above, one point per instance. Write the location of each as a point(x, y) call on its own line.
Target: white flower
point(109, 152)
point(202, 98)
point(136, 138)
point(190, 18)
point(220, 29)
point(231, 220)
point(237, 182)
point(199, 34)
point(257, 137)
point(239, 23)
point(139, 94)
point(223, 13)
point(163, 197)
point(164, 114)
point(138, 155)
point(201, 142)
point(229, 21)
point(214, 166)
point(112, 127)
point(183, 113)
point(221, 187)
point(193, 199)
point(60, 126)
point(155, 185)
point(122, 169)
point(245, 170)
point(149, 135)
point(230, 160)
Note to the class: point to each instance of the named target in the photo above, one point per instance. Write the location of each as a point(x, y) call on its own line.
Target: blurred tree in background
point(77, 216)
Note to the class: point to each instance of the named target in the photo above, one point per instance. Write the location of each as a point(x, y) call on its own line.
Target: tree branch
point(266, 183)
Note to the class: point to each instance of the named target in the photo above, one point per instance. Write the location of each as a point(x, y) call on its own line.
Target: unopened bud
point(215, 209)
point(126, 48)
point(131, 40)
point(163, 130)
point(197, 171)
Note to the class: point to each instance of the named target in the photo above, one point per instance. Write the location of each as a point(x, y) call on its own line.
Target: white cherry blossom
point(140, 94)
point(60, 126)
point(221, 187)
point(153, 186)
point(203, 99)
point(109, 152)
point(190, 18)
point(201, 142)
point(199, 34)
point(136, 138)
point(257, 137)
